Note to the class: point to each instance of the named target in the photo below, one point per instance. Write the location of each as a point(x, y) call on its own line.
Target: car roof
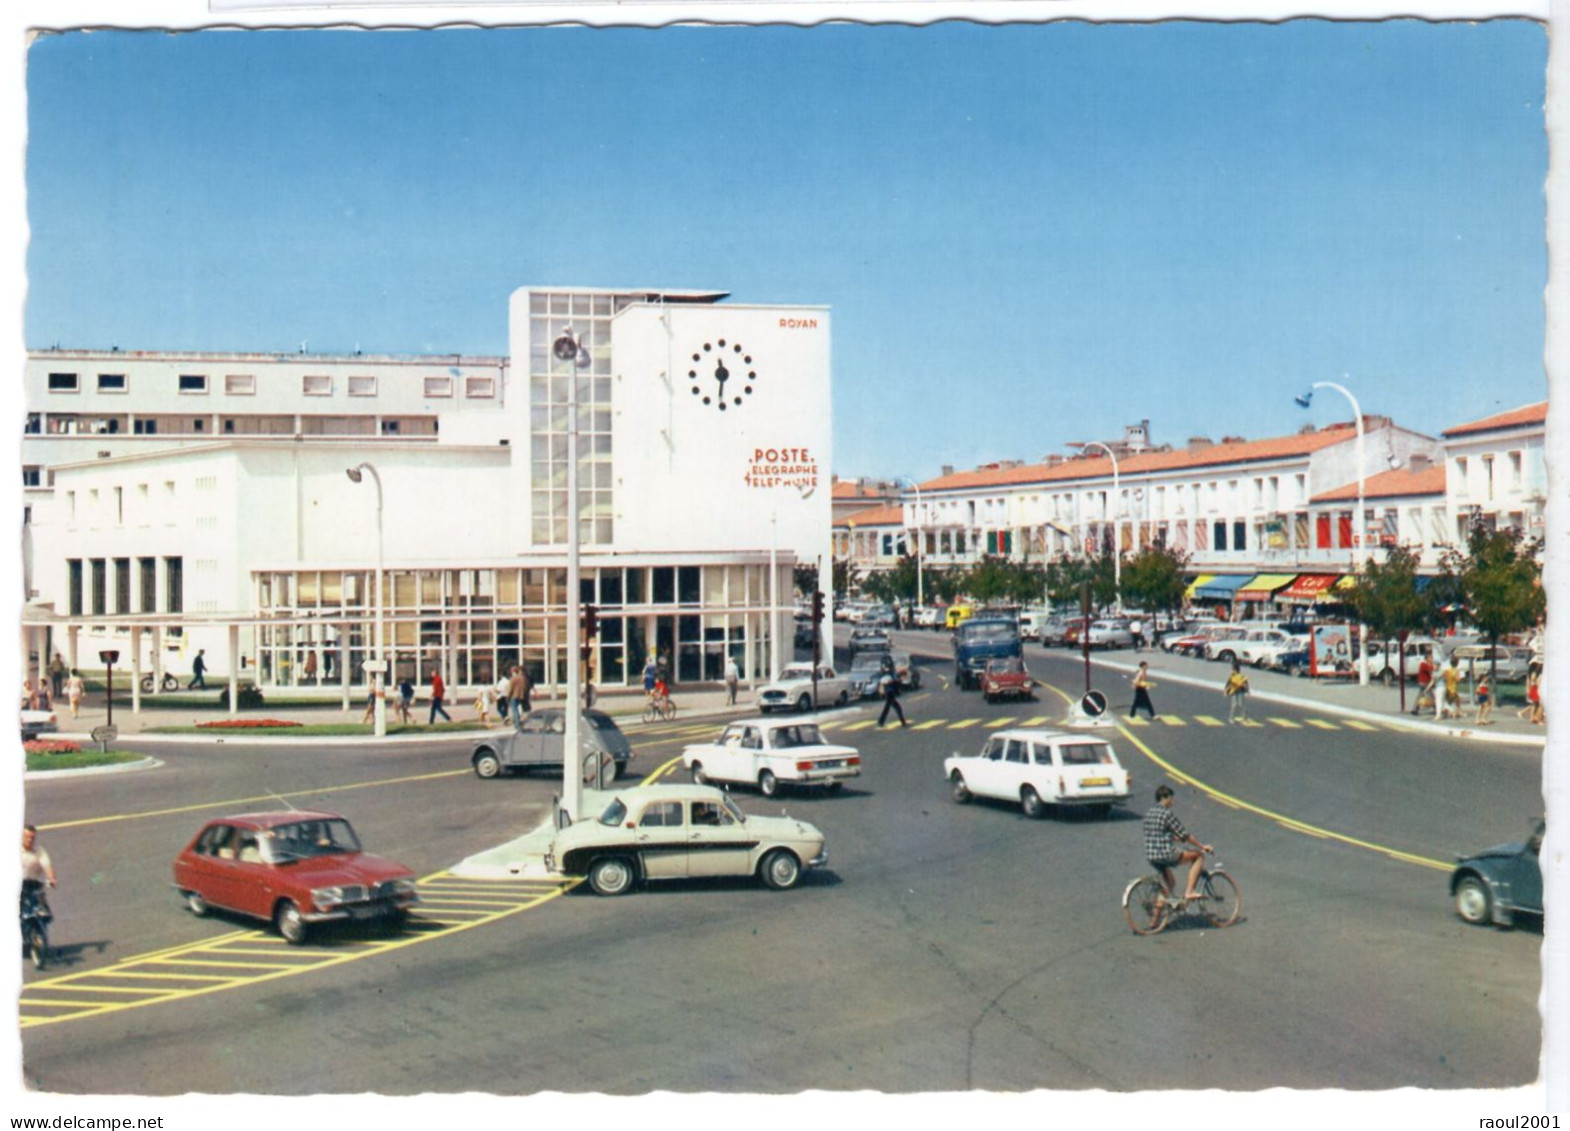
point(639, 794)
point(278, 817)
point(1047, 734)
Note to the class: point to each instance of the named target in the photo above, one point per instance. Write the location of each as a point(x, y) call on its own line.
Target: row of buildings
point(1267, 521)
point(244, 505)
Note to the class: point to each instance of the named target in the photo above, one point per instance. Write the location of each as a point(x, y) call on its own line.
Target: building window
point(438, 386)
point(389, 428)
point(122, 585)
point(240, 385)
point(1515, 470)
point(32, 476)
point(62, 383)
point(1461, 468)
point(174, 585)
point(362, 386)
point(479, 388)
point(317, 386)
point(1219, 534)
point(74, 585)
point(1239, 536)
point(1488, 477)
point(193, 383)
point(145, 427)
point(119, 509)
point(34, 425)
point(111, 383)
point(100, 586)
point(147, 587)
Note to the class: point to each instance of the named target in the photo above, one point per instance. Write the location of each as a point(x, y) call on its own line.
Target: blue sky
point(1028, 234)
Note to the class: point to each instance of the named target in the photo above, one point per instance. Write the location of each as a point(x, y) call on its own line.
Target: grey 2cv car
point(538, 742)
point(1491, 886)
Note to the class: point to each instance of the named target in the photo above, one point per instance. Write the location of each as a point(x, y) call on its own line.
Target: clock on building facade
point(722, 374)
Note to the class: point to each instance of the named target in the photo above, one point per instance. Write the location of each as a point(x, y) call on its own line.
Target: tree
point(1153, 578)
point(995, 579)
point(1501, 580)
point(846, 576)
point(1386, 598)
point(805, 578)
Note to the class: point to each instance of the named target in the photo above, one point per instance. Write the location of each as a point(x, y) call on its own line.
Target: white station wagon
point(1038, 768)
point(770, 754)
point(793, 689)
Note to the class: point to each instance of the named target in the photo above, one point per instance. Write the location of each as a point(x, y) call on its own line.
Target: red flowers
point(51, 746)
point(247, 724)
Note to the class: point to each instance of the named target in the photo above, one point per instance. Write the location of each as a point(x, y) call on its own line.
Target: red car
point(292, 869)
point(1006, 679)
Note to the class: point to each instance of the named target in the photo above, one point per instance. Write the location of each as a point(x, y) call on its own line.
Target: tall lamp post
point(568, 349)
point(379, 668)
point(920, 594)
point(1117, 542)
point(1359, 523)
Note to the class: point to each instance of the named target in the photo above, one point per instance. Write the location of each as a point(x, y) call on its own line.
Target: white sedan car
point(771, 754)
point(793, 689)
point(1038, 768)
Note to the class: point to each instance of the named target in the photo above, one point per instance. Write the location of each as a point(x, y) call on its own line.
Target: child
point(1237, 691)
point(1485, 703)
point(482, 705)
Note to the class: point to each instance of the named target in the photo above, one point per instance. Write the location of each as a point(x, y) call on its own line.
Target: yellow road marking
point(1038, 720)
point(1284, 821)
point(862, 725)
point(1172, 720)
point(999, 723)
point(1322, 724)
point(1358, 724)
point(963, 723)
point(929, 724)
point(1208, 720)
point(430, 921)
point(1288, 723)
point(237, 801)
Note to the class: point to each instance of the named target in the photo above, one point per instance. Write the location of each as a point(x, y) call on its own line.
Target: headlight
point(327, 897)
point(403, 887)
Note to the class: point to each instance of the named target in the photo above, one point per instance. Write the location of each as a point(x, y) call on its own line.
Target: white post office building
point(186, 502)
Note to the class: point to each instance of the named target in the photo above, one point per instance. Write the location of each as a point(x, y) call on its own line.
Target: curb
point(148, 763)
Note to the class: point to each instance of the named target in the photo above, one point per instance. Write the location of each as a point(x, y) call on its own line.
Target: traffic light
point(591, 622)
point(817, 606)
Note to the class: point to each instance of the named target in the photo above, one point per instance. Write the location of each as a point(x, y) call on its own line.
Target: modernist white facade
point(201, 501)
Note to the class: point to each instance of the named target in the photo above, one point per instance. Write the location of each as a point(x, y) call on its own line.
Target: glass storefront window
point(687, 585)
point(610, 587)
point(664, 585)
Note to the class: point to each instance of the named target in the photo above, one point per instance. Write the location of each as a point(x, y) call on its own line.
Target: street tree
point(846, 576)
point(1501, 579)
point(805, 579)
point(1153, 578)
point(1386, 598)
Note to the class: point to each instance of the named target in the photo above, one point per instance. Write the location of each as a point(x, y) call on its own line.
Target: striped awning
point(1309, 587)
point(1223, 587)
point(1188, 594)
point(1263, 587)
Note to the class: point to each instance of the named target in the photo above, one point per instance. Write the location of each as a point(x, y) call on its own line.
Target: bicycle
point(661, 708)
point(1149, 908)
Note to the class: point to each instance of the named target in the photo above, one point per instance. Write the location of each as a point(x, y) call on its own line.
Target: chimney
point(1233, 440)
point(948, 469)
point(1199, 443)
point(1419, 461)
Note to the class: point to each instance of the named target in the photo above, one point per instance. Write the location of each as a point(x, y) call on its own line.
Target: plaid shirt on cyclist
point(1163, 833)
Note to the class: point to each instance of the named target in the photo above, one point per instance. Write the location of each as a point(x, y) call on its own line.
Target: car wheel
point(958, 790)
point(768, 784)
point(195, 904)
point(1473, 902)
point(290, 923)
point(611, 875)
point(396, 921)
point(487, 764)
point(1387, 677)
point(1227, 656)
point(804, 704)
point(843, 699)
point(1030, 801)
point(780, 869)
point(698, 776)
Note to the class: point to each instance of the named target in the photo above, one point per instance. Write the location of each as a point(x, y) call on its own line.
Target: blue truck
point(983, 638)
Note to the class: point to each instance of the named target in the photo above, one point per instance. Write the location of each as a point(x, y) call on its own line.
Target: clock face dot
point(706, 401)
point(705, 350)
point(748, 390)
point(721, 344)
point(747, 359)
point(722, 406)
point(738, 400)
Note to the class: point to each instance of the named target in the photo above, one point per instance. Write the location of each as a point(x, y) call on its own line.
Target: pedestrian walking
point(75, 691)
point(518, 695)
point(1142, 686)
point(198, 671)
point(732, 680)
point(29, 696)
point(1237, 695)
point(482, 705)
point(1533, 711)
point(370, 705)
point(1425, 681)
point(405, 704)
point(503, 700)
point(57, 675)
point(1436, 687)
point(1136, 629)
point(438, 693)
point(1485, 705)
point(890, 686)
point(1452, 682)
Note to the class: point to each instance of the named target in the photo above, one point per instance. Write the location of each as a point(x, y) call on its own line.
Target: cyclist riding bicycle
point(1164, 838)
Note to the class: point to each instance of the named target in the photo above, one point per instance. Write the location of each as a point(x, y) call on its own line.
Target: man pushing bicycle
point(1164, 838)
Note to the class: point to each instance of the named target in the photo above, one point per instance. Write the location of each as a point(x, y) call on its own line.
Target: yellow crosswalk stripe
point(1038, 721)
point(862, 725)
point(1208, 720)
point(1358, 724)
point(1249, 723)
point(1322, 724)
point(997, 724)
point(1171, 720)
point(1137, 722)
point(929, 724)
point(963, 723)
point(1288, 723)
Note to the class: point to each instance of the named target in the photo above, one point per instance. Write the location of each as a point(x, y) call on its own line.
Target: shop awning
point(1308, 587)
point(1347, 581)
point(1263, 587)
point(1223, 587)
point(1202, 579)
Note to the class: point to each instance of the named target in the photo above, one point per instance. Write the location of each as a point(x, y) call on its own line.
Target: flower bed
point(51, 746)
point(246, 724)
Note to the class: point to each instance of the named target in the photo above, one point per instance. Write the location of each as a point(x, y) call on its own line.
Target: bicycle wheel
point(1221, 901)
point(650, 713)
point(668, 710)
point(1145, 906)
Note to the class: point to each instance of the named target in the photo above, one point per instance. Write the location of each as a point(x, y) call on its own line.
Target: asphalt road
point(944, 947)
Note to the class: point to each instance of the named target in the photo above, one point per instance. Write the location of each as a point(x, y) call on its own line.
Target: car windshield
point(304, 839)
point(730, 807)
point(988, 631)
point(1013, 664)
point(614, 814)
point(1085, 753)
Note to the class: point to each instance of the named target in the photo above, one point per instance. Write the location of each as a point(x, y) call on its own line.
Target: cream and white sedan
point(793, 690)
point(1038, 768)
point(771, 754)
point(667, 832)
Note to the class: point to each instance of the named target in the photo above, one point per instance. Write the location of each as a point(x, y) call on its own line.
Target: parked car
point(1038, 768)
point(865, 639)
point(1222, 643)
point(540, 740)
point(1074, 629)
point(1261, 645)
point(879, 616)
point(1007, 678)
point(772, 754)
point(1509, 662)
point(956, 615)
point(1053, 631)
point(1493, 885)
point(1293, 661)
point(38, 722)
point(928, 616)
point(1384, 657)
point(664, 832)
point(793, 689)
point(293, 869)
point(1030, 622)
point(1111, 633)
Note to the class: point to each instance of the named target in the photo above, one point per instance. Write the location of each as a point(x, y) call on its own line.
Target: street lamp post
point(1117, 544)
point(567, 348)
point(379, 670)
point(1359, 523)
point(920, 594)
